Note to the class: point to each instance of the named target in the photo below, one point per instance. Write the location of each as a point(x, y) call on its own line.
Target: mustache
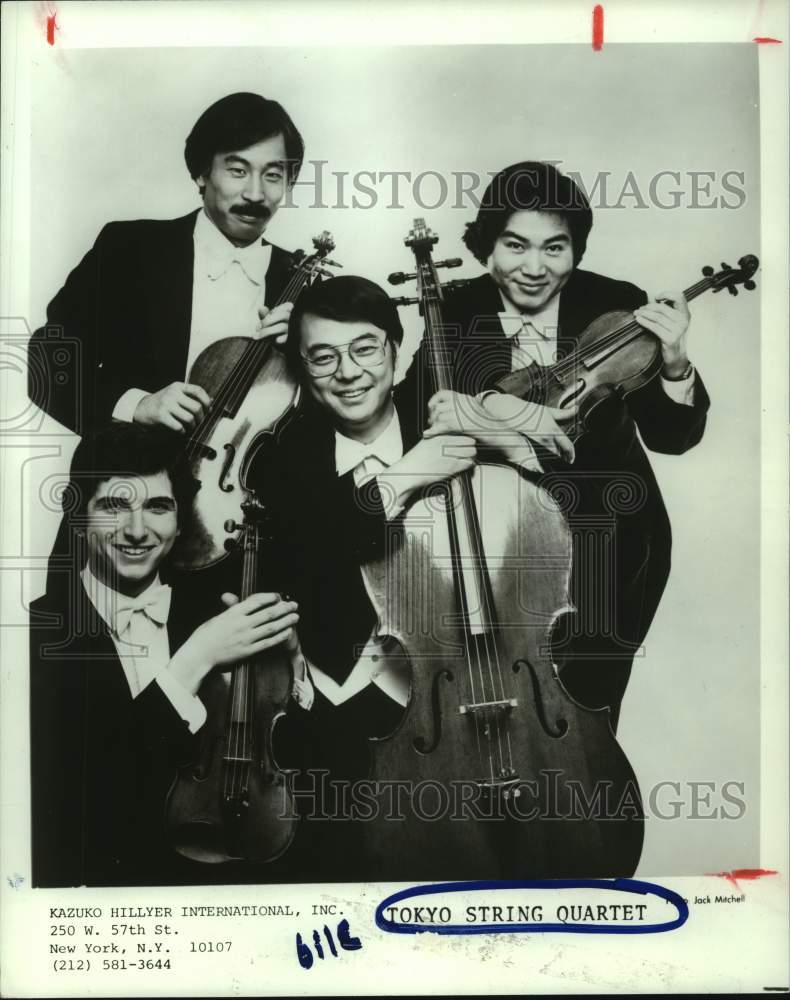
point(256, 211)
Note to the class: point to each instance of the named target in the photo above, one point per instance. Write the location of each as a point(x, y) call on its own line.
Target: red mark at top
point(51, 25)
point(762, 39)
point(597, 27)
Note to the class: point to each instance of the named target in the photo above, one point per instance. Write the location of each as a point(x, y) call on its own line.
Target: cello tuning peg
point(231, 525)
point(708, 272)
point(398, 277)
point(732, 289)
point(405, 300)
point(457, 283)
point(331, 263)
point(725, 267)
point(450, 262)
point(749, 285)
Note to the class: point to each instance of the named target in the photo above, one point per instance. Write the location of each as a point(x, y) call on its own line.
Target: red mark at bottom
point(743, 875)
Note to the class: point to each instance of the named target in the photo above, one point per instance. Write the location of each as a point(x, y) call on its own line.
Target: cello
point(614, 357)
point(510, 777)
point(234, 802)
point(251, 390)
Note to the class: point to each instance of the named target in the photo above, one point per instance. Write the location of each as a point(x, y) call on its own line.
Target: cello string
point(438, 351)
point(486, 598)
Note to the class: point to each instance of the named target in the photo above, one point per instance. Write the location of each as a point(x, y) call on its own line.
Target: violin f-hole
point(230, 454)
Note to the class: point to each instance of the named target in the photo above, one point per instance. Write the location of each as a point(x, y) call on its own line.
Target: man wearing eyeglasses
point(345, 466)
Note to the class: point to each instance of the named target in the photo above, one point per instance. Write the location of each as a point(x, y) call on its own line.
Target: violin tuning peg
point(725, 267)
point(749, 285)
point(708, 272)
point(405, 300)
point(450, 262)
point(331, 263)
point(732, 289)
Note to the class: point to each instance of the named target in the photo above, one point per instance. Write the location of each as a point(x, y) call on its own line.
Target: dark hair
point(347, 299)
point(534, 186)
point(237, 122)
point(124, 449)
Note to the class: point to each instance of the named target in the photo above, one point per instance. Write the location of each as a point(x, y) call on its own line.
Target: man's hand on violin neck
point(274, 322)
point(245, 629)
point(667, 316)
point(178, 406)
point(498, 420)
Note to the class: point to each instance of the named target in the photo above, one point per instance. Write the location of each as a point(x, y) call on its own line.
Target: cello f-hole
point(420, 743)
point(562, 724)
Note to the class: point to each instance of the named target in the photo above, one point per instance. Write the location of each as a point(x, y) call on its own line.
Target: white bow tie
point(154, 603)
point(250, 259)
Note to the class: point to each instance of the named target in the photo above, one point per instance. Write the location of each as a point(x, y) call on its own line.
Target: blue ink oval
point(616, 885)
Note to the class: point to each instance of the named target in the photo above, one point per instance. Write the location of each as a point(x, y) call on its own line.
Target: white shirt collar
point(547, 319)
point(217, 253)
point(387, 447)
point(106, 599)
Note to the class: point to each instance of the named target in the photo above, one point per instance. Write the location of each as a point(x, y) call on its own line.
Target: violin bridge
point(481, 706)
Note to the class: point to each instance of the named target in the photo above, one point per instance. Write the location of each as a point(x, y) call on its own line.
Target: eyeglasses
point(367, 352)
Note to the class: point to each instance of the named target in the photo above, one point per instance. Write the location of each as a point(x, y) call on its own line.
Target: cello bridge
point(504, 786)
point(504, 705)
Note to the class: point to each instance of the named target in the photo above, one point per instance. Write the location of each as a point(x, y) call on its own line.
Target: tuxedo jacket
point(101, 762)
point(122, 321)
point(323, 528)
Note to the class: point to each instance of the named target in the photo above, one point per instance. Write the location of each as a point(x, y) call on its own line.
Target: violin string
point(569, 364)
point(239, 378)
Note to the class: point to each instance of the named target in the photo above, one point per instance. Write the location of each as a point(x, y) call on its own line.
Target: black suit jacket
point(122, 321)
point(323, 528)
point(622, 536)
point(101, 762)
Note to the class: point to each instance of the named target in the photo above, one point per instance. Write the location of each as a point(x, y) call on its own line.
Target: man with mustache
point(530, 307)
point(151, 295)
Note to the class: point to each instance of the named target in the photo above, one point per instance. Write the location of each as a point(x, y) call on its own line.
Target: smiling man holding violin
point(118, 668)
point(529, 309)
point(152, 294)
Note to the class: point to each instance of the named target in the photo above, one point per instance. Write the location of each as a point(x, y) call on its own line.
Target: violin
point(475, 577)
point(251, 390)
point(233, 802)
point(614, 357)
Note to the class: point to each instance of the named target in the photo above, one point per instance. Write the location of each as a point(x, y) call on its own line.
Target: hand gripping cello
point(508, 776)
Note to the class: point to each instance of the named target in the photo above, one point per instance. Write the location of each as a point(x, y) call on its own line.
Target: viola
point(523, 781)
point(234, 802)
point(614, 357)
point(251, 389)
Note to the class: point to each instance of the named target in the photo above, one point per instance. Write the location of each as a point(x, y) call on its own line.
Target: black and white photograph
point(392, 497)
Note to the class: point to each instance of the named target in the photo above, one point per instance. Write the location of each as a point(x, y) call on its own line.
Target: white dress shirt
point(228, 289)
point(367, 460)
point(138, 628)
point(534, 339)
